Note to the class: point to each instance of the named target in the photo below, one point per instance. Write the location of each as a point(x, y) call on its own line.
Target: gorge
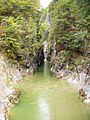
point(44, 60)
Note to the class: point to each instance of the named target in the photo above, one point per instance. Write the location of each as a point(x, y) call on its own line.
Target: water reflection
point(43, 109)
point(88, 111)
point(46, 98)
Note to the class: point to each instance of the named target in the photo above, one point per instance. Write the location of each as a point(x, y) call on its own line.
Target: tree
point(70, 26)
point(19, 28)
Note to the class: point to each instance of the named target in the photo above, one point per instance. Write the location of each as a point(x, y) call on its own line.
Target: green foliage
point(84, 6)
point(70, 27)
point(23, 28)
point(18, 28)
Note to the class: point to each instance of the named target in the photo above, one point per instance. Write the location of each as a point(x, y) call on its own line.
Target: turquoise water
point(43, 97)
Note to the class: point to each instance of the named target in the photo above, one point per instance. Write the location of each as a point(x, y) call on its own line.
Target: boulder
point(14, 98)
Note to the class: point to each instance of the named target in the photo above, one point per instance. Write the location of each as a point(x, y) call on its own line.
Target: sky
point(45, 3)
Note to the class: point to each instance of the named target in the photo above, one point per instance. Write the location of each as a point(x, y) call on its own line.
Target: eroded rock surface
point(77, 72)
point(9, 75)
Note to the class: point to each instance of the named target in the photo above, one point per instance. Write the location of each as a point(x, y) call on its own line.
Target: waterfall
point(45, 50)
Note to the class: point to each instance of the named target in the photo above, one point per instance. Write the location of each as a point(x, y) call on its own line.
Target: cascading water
point(45, 50)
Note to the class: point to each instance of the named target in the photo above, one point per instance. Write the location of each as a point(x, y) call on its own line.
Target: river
point(43, 97)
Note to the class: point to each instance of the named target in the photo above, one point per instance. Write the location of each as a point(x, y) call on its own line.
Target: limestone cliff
point(9, 75)
point(76, 71)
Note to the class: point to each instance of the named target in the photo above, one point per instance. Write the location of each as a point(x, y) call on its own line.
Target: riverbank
point(79, 79)
point(44, 97)
point(9, 75)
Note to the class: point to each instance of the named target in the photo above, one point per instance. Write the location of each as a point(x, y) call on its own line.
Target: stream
point(44, 97)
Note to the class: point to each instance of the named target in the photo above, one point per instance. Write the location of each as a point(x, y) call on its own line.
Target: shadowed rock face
point(28, 64)
point(38, 59)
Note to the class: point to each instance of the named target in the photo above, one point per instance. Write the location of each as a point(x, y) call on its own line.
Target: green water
point(43, 97)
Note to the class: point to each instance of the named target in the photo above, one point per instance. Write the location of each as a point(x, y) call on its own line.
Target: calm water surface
point(43, 97)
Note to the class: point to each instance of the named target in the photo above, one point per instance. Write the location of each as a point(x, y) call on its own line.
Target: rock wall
point(9, 75)
point(33, 63)
point(76, 73)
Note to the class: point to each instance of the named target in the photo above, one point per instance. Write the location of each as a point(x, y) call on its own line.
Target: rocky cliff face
point(33, 63)
point(76, 71)
point(9, 75)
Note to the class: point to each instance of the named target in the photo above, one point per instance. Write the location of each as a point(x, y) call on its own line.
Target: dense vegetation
point(19, 21)
point(70, 28)
point(23, 28)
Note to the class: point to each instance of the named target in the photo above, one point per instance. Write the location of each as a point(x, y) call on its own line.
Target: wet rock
point(35, 62)
point(82, 94)
point(28, 64)
point(14, 98)
point(6, 116)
